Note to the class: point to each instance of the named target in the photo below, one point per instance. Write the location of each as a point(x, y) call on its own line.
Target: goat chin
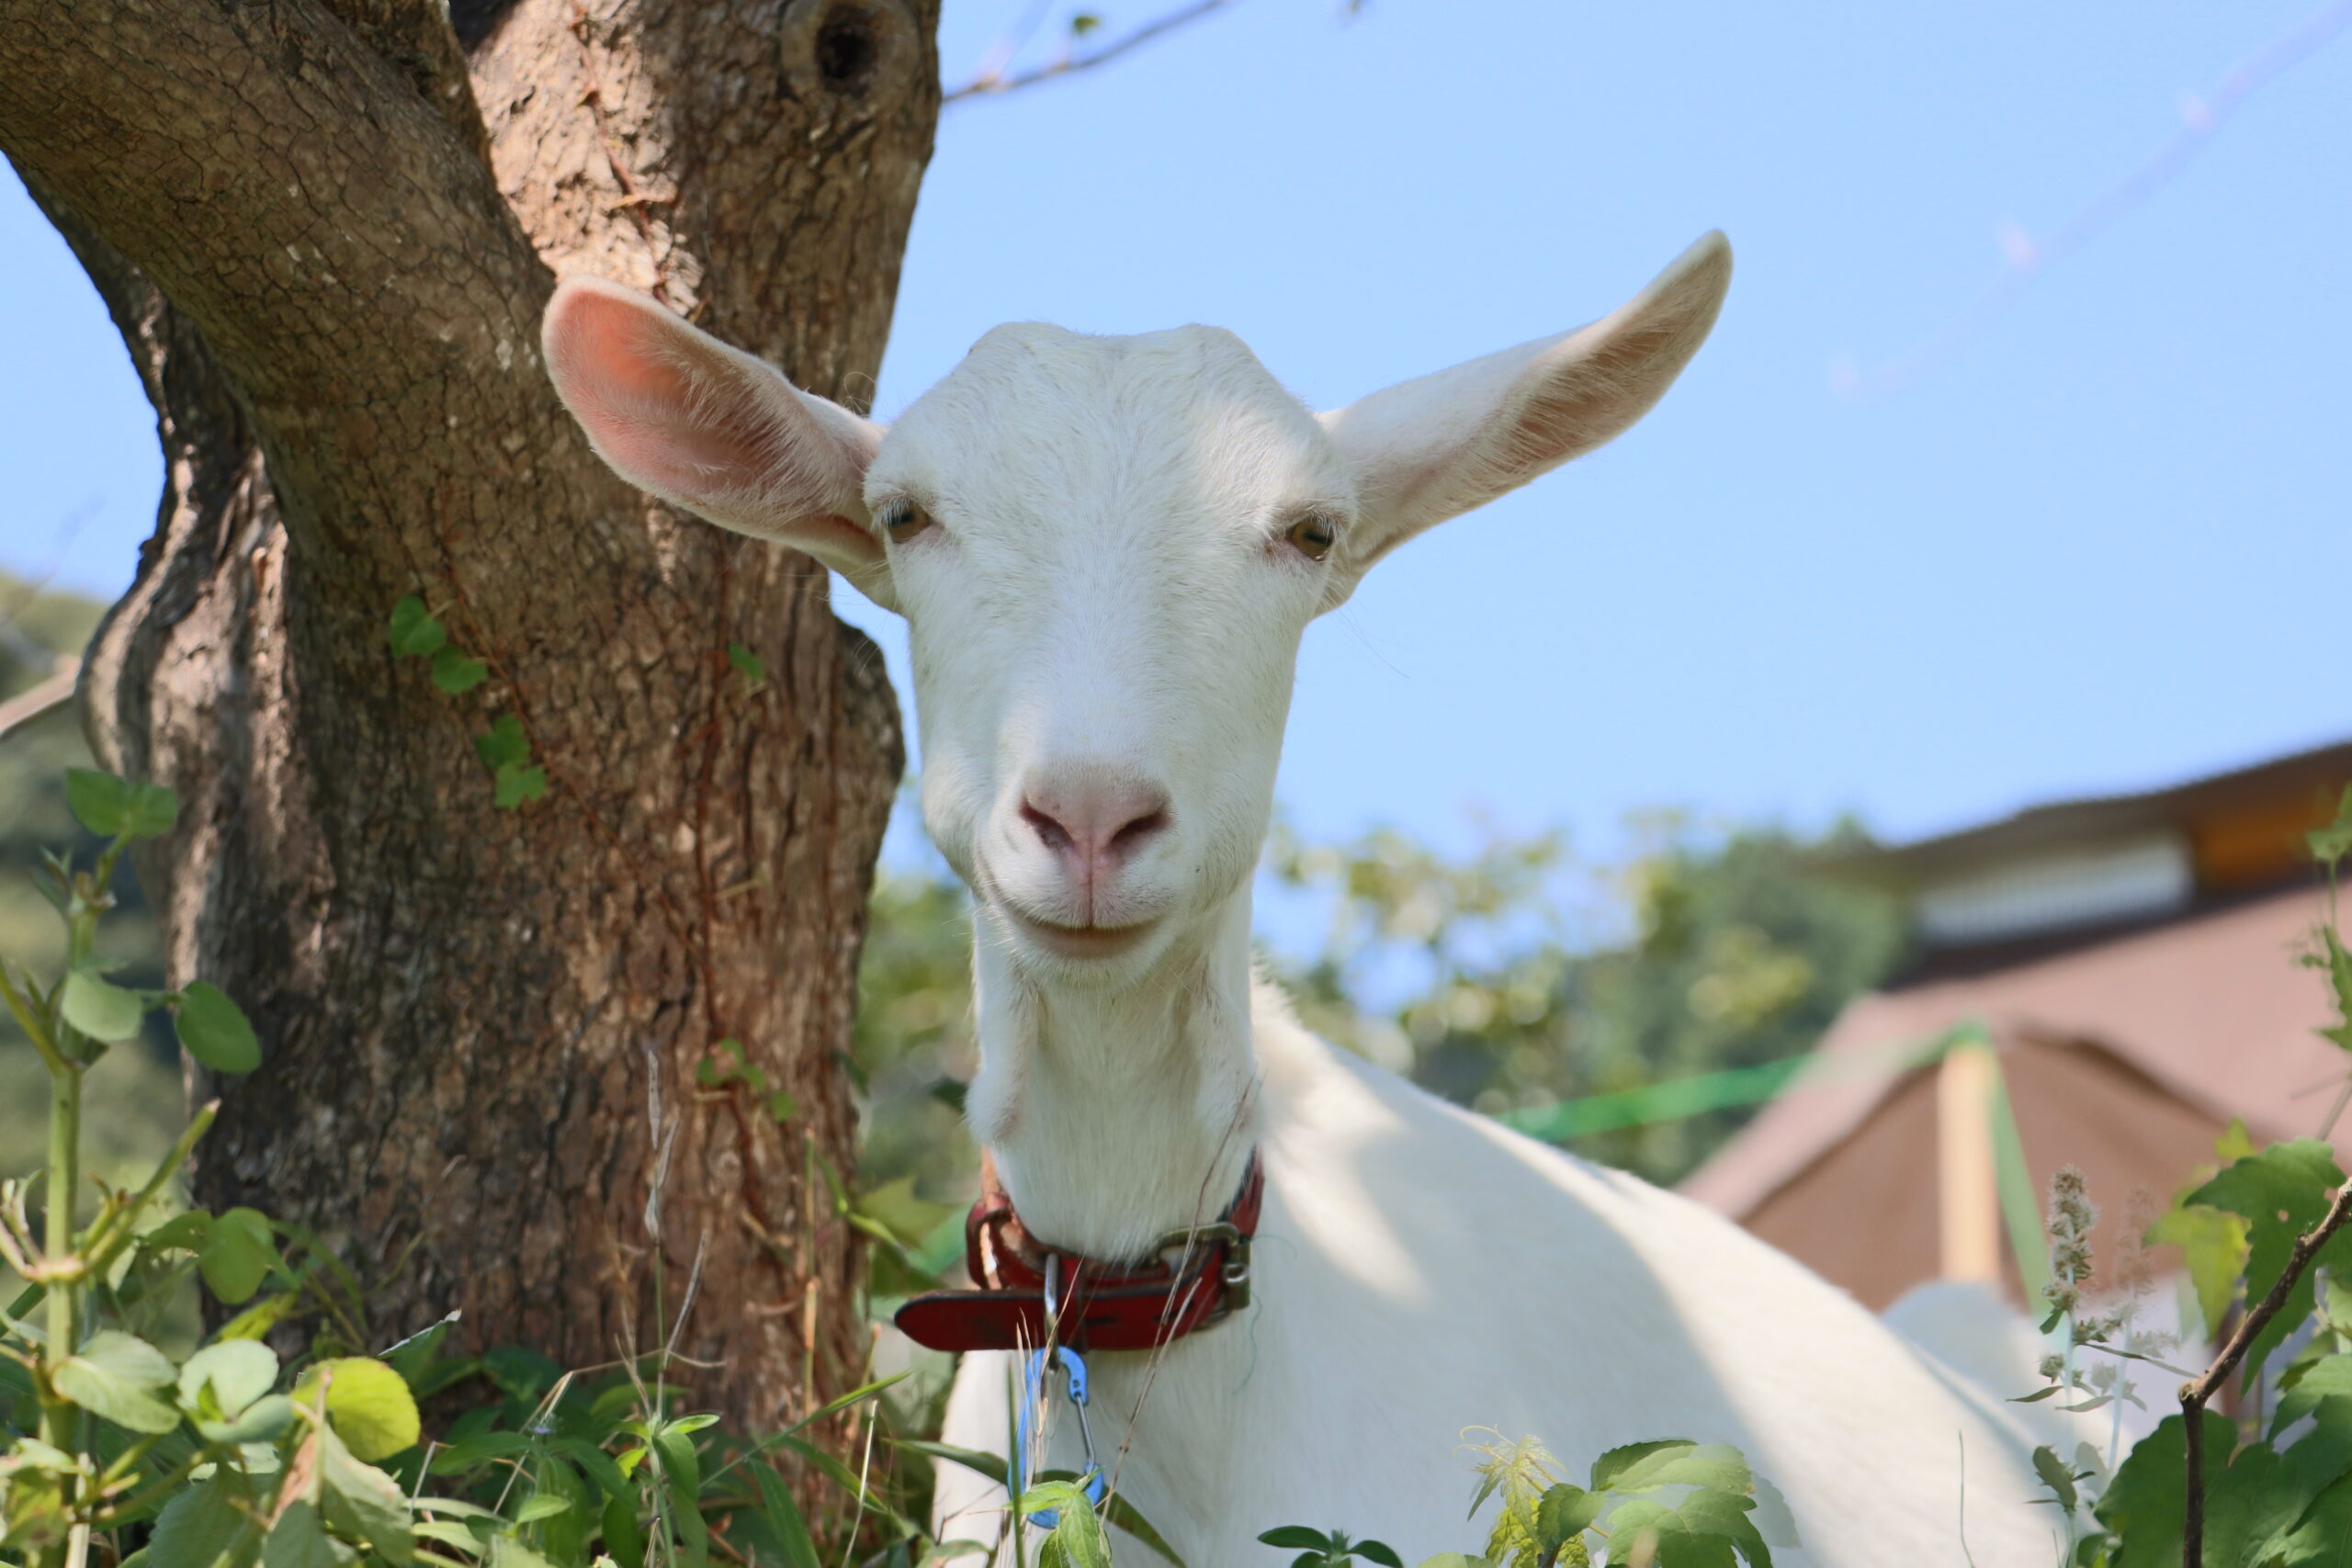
point(1424, 1273)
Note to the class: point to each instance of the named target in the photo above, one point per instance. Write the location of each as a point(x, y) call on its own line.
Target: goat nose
point(1093, 817)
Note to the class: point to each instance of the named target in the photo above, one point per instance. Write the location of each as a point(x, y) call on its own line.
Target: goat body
point(1421, 1273)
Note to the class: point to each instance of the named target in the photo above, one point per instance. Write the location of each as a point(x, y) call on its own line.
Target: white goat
point(1107, 550)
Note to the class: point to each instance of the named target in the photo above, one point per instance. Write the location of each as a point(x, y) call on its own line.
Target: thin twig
point(2194, 1394)
point(2028, 258)
point(994, 80)
point(46, 699)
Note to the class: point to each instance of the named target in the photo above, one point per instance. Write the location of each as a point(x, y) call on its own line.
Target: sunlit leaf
point(370, 1406)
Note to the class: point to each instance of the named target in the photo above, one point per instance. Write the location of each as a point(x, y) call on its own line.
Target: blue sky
point(2101, 546)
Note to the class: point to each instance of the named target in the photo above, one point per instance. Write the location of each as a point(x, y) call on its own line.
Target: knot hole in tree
point(860, 52)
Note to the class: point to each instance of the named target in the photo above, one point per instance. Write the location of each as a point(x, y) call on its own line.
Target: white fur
point(1104, 615)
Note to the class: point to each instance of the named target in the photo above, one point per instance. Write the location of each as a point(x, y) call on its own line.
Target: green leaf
point(413, 630)
point(1638, 1466)
point(362, 1502)
point(680, 1462)
point(1564, 1512)
point(264, 1421)
point(599, 1466)
point(1455, 1559)
point(540, 1506)
point(238, 1256)
point(2327, 1378)
point(2058, 1477)
point(1292, 1538)
point(214, 1029)
point(2332, 842)
point(117, 808)
point(299, 1540)
point(753, 669)
point(514, 783)
point(1379, 1551)
point(204, 1527)
point(623, 1538)
point(782, 1106)
point(2144, 1504)
point(471, 1453)
point(504, 743)
point(505, 1551)
point(2322, 1537)
point(261, 1317)
point(784, 1517)
point(2214, 1246)
point(520, 1372)
point(185, 1231)
point(1077, 1535)
point(2282, 1192)
point(115, 1375)
point(2339, 977)
point(910, 1218)
point(233, 1374)
point(1084, 23)
point(369, 1406)
point(100, 1009)
point(457, 673)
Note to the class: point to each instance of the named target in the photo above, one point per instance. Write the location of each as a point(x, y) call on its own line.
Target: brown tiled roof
point(2212, 1006)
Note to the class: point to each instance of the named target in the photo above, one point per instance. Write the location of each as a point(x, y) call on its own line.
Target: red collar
point(1194, 1278)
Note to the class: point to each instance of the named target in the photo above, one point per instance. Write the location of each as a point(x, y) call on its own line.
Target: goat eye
point(1311, 537)
point(902, 520)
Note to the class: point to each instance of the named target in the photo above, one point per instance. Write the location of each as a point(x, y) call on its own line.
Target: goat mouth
point(1077, 941)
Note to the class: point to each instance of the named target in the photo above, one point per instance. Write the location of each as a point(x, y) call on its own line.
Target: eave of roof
point(2094, 821)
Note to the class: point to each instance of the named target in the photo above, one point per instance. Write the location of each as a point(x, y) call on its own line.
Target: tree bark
point(327, 230)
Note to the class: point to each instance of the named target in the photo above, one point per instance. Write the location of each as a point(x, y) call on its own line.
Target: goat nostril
point(1051, 833)
point(1144, 827)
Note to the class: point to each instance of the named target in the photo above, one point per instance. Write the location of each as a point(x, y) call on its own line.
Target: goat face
point(1107, 550)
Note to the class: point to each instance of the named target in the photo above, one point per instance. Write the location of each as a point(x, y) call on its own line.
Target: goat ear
point(1428, 449)
point(711, 429)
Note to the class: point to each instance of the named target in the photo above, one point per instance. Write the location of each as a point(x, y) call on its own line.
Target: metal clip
point(1032, 1415)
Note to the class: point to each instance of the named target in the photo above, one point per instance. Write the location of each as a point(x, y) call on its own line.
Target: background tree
point(327, 228)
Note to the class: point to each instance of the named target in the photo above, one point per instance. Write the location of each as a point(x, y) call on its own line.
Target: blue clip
point(1032, 1396)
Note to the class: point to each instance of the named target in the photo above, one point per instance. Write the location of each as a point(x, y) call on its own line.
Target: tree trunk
point(327, 228)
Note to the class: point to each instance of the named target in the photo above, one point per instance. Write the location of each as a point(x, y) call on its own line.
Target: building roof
point(2211, 1005)
point(2246, 824)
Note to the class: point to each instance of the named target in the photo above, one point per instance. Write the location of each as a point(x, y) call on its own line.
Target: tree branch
point(1071, 64)
point(2194, 1394)
point(351, 267)
point(47, 697)
point(415, 36)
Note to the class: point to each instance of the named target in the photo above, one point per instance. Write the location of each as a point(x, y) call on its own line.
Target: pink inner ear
point(653, 399)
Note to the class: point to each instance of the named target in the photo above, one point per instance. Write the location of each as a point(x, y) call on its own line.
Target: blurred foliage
point(1703, 950)
point(136, 1104)
point(1502, 977)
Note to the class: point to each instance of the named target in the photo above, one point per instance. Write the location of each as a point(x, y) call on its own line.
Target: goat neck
point(1117, 1113)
